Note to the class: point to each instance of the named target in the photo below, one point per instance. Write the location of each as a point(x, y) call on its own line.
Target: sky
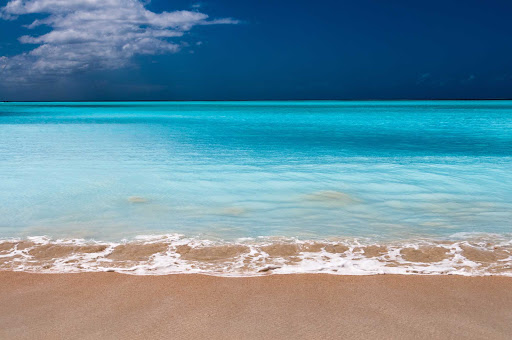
point(254, 49)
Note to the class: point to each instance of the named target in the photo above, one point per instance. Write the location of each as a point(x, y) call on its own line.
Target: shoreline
point(174, 254)
point(299, 306)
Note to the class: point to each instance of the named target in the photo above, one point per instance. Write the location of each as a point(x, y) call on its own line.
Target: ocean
point(253, 188)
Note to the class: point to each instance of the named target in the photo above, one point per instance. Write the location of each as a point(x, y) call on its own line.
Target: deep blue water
point(388, 170)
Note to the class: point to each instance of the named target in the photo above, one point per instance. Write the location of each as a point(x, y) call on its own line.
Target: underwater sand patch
point(281, 250)
point(336, 248)
point(291, 249)
point(6, 247)
point(137, 199)
point(374, 251)
point(312, 247)
point(24, 245)
point(424, 254)
point(214, 253)
point(479, 255)
point(136, 252)
point(8, 261)
point(233, 211)
point(331, 197)
point(54, 251)
point(292, 260)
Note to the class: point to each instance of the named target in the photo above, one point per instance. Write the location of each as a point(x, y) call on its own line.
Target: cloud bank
point(93, 35)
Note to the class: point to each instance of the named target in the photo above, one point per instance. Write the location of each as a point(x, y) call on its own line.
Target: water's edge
point(470, 255)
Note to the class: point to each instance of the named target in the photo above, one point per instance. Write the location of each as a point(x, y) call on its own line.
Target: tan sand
point(116, 306)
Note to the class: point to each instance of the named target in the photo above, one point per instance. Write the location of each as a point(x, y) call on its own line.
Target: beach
point(264, 170)
point(296, 306)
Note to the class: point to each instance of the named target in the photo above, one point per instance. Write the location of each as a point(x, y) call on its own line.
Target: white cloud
point(94, 34)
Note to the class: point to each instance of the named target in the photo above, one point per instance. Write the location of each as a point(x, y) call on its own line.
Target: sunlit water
point(226, 170)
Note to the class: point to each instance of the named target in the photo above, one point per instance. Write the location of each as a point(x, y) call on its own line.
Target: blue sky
point(261, 49)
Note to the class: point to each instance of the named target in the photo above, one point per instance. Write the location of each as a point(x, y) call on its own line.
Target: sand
point(117, 306)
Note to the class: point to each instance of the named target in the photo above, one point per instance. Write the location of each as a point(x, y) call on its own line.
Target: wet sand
point(117, 306)
point(171, 254)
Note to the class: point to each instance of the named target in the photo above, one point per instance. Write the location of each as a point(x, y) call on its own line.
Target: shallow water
point(383, 173)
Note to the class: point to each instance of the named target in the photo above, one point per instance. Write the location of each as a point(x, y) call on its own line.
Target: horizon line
point(251, 100)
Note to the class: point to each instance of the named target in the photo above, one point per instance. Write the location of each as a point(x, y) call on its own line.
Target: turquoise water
point(226, 170)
